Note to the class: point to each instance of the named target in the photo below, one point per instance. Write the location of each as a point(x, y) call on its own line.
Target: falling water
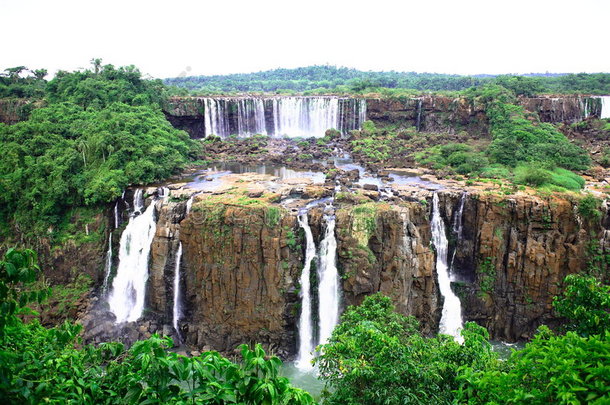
point(451, 319)
point(306, 346)
point(138, 201)
point(458, 227)
point(126, 299)
point(605, 107)
point(290, 116)
point(177, 311)
point(189, 204)
point(116, 215)
point(108, 265)
point(328, 287)
point(251, 117)
point(419, 108)
point(305, 116)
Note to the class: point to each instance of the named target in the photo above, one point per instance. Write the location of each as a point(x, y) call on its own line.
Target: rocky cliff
point(428, 113)
point(243, 252)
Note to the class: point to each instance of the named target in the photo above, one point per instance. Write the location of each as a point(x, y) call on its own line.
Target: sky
point(187, 37)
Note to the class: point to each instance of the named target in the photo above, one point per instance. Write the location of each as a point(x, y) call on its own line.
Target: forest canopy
point(342, 79)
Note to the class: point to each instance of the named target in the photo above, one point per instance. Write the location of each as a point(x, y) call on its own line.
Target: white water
point(291, 116)
point(177, 310)
point(126, 299)
point(451, 319)
point(189, 204)
point(306, 345)
point(116, 215)
point(458, 226)
point(251, 117)
point(108, 265)
point(605, 107)
point(138, 200)
point(328, 286)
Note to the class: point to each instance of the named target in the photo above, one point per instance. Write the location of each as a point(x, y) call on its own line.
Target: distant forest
point(332, 79)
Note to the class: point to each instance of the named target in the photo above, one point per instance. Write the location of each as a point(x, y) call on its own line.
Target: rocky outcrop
point(387, 248)
point(429, 113)
point(13, 110)
point(240, 283)
point(512, 256)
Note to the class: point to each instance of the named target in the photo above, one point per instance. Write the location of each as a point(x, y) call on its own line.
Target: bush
point(532, 176)
point(551, 369)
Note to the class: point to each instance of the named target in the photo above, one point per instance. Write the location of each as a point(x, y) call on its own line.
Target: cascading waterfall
point(116, 215)
point(138, 201)
point(305, 116)
point(216, 119)
point(605, 107)
point(419, 109)
point(177, 310)
point(126, 299)
point(108, 265)
point(451, 319)
point(290, 116)
point(306, 345)
point(328, 286)
point(458, 226)
point(251, 117)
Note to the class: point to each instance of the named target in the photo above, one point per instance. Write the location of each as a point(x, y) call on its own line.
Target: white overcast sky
point(173, 38)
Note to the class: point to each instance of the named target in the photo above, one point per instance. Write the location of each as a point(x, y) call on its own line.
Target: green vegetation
point(40, 365)
point(101, 131)
point(332, 79)
point(585, 302)
point(377, 356)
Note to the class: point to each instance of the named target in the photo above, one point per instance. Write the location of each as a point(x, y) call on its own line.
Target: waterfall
point(418, 121)
point(328, 286)
point(108, 265)
point(216, 117)
point(306, 345)
point(605, 107)
point(458, 226)
point(189, 204)
point(251, 117)
point(177, 311)
point(451, 319)
point(126, 299)
point(138, 201)
point(116, 214)
point(291, 116)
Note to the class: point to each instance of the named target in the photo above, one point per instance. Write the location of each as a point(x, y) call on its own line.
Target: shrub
point(532, 176)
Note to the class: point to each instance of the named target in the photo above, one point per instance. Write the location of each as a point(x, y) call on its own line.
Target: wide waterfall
point(605, 107)
point(282, 116)
point(126, 299)
point(306, 344)
point(177, 310)
point(328, 287)
point(451, 319)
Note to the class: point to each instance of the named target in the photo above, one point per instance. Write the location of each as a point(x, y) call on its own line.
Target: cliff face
point(243, 254)
point(240, 278)
point(426, 113)
point(512, 255)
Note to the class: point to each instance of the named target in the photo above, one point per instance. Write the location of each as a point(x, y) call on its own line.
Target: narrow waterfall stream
point(126, 299)
point(605, 107)
point(328, 288)
point(107, 265)
point(451, 319)
point(177, 310)
point(458, 225)
point(306, 345)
